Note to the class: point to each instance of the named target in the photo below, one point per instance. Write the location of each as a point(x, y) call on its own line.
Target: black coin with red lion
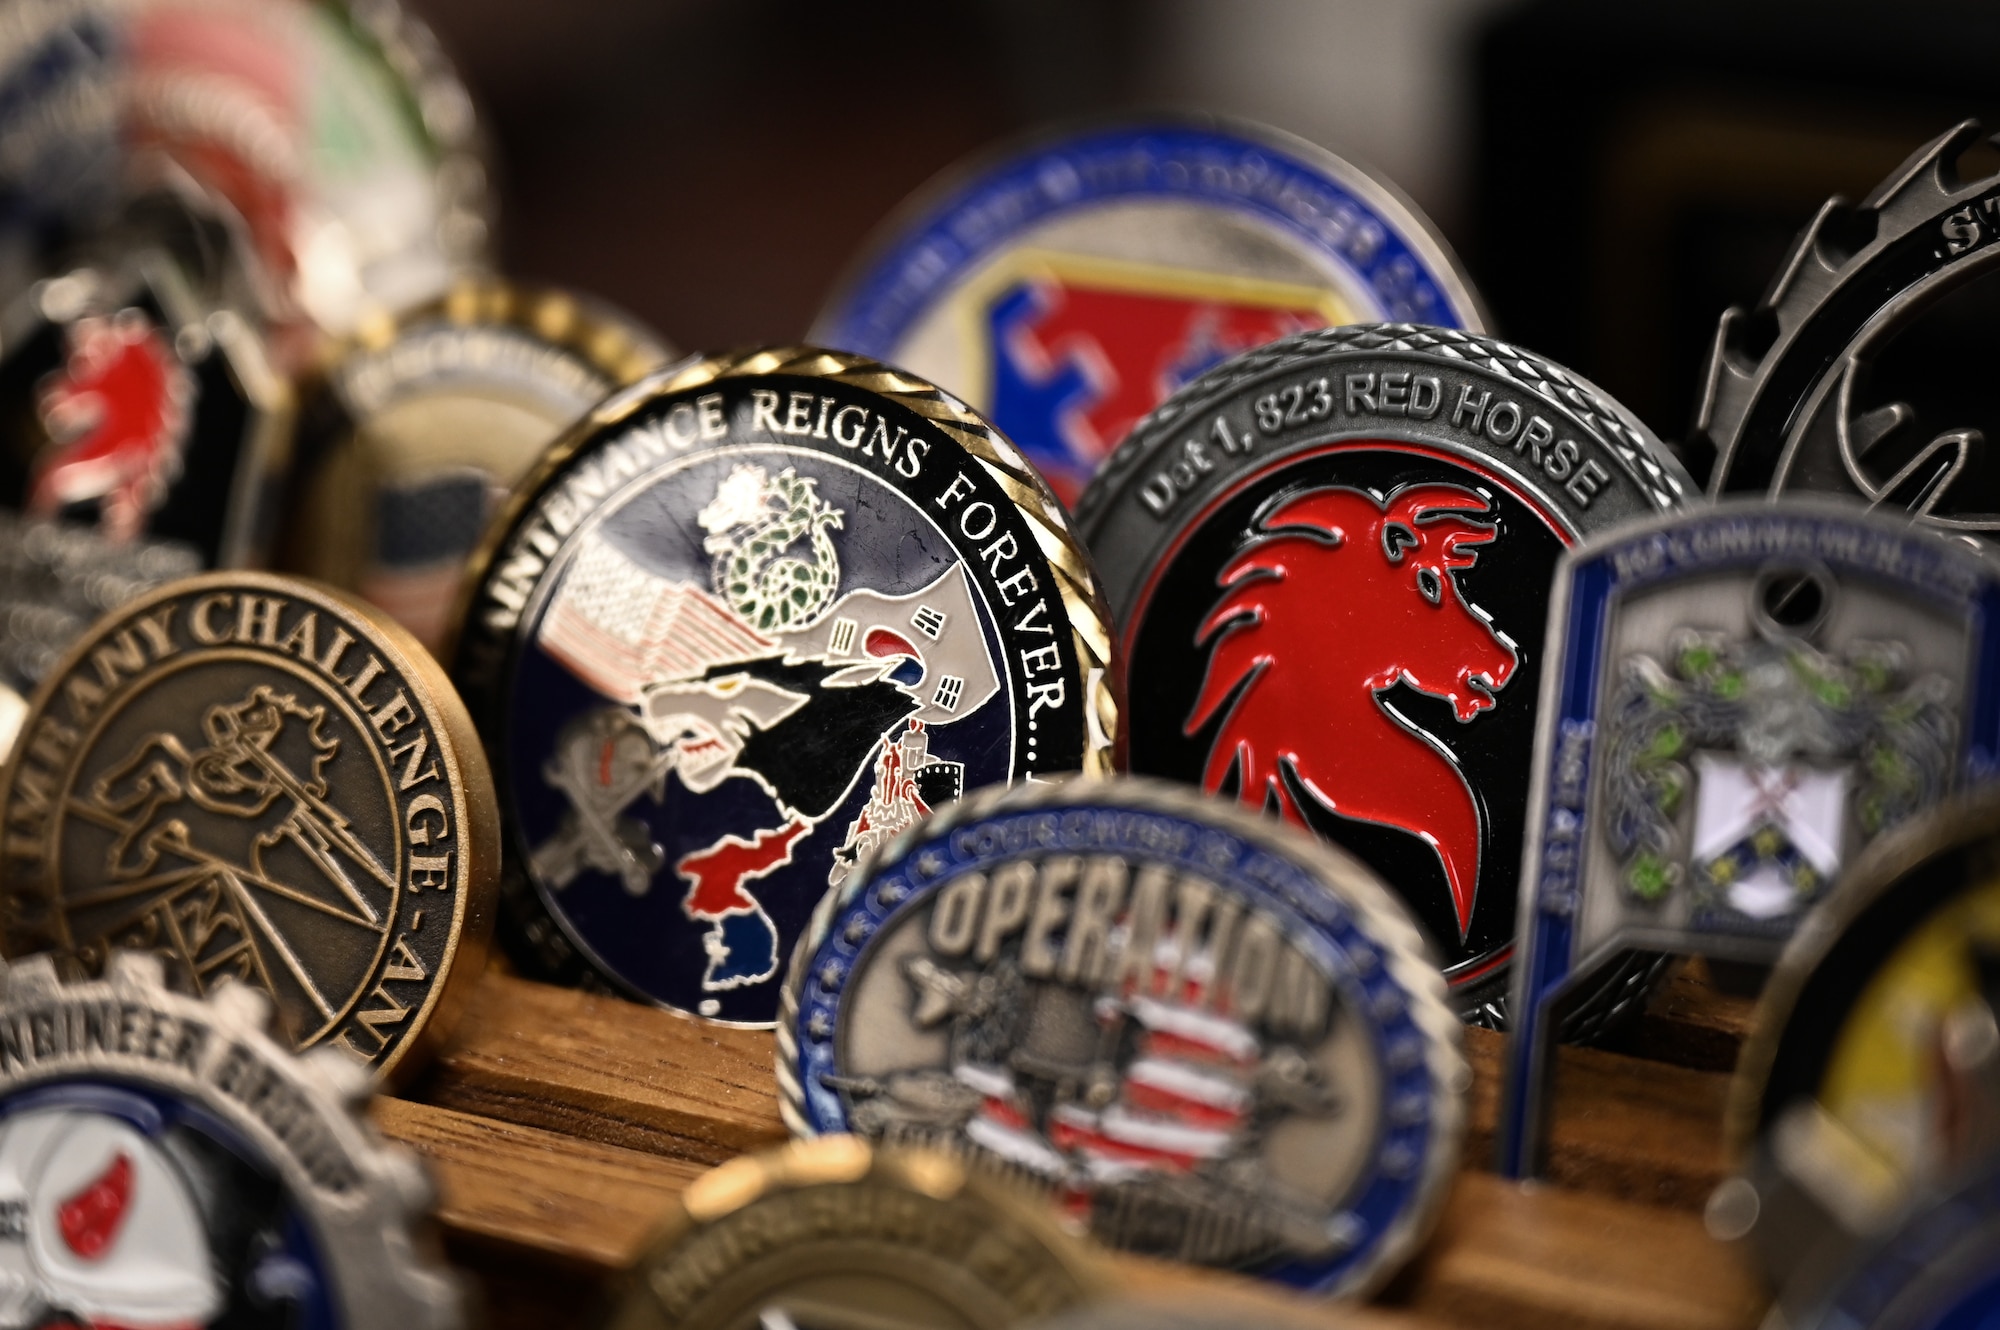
point(1329, 561)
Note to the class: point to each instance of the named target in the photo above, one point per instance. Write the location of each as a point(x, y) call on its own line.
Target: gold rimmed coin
point(833, 1232)
point(258, 779)
point(427, 422)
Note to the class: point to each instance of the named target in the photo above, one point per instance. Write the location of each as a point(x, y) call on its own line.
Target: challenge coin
point(1739, 700)
point(130, 403)
point(1329, 562)
point(1872, 1076)
point(337, 134)
point(426, 426)
point(1066, 283)
point(259, 780)
point(835, 1233)
point(751, 617)
point(1937, 1267)
point(164, 1162)
point(56, 578)
point(1208, 1037)
point(1817, 388)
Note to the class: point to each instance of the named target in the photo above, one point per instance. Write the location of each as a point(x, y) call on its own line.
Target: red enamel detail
point(882, 642)
point(116, 414)
point(90, 1219)
point(1330, 606)
point(716, 875)
point(1137, 348)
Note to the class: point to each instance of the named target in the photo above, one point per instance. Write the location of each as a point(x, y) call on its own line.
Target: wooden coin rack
point(559, 1127)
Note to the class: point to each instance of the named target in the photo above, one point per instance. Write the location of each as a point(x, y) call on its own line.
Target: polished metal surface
point(258, 780)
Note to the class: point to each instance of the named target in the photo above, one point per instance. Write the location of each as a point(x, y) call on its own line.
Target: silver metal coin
point(164, 1162)
point(1739, 700)
point(1329, 564)
point(1066, 282)
point(1805, 393)
point(1210, 1038)
point(751, 617)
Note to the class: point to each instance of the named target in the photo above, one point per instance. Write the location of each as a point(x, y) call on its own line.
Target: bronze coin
point(258, 779)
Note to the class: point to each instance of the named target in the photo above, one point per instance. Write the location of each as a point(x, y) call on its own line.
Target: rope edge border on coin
point(1645, 459)
point(1067, 558)
point(1381, 916)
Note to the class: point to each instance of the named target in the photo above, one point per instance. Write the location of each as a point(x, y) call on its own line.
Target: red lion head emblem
point(1343, 595)
point(116, 413)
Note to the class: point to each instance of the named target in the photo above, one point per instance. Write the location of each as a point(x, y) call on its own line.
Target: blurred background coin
point(1329, 563)
point(259, 780)
point(1822, 386)
point(835, 1232)
point(1067, 282)
point(1208, 1037)
point(56, 578)
point(428, 421)
point(750, 618)
point(1872, 1077)
point(1936, 1267)
point(165, 1162)
point(131, 403)
point(333, 136)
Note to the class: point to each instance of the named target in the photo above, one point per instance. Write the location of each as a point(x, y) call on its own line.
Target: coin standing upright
point(836, 1232)
point(1741, 699)
point(165, 1162)
point(1204, 1035)
point(260, 781)
point(753, 616)
point(423, 427)
point(1804, 393)
point(1870, 1084)
point(1065, 283)
point(1329, 563)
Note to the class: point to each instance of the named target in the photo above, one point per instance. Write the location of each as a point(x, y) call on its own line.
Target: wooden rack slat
point(560, 1127)
point(614, 1073)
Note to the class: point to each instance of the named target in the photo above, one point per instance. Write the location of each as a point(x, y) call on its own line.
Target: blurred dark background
point(1614, 172)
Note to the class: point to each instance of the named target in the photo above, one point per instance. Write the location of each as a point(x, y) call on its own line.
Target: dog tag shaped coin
point(1329, 562)
point(1831, 384)
point(751, 617)
point(835, 1233)
point(1207, 1036)
point(164, 1162)
point(1067, 283)
point(1872, 1077)
point(1739, 700)
point(260, 780)
point(425, 428)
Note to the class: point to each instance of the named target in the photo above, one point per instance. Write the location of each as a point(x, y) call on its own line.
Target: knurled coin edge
point(742, 1182)
point(1069, 563)
point(1957, 824)
point(1817, 265)
point(1378, 190)
point(1382, 917)
point(478, 300)
point(476, 812)
point(1658, 474)
point(379, 1248)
